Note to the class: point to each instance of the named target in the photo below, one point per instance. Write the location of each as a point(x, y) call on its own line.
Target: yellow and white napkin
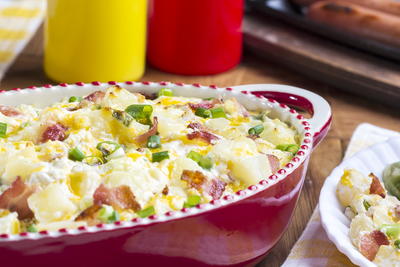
point(19, 20)
point(314, 249)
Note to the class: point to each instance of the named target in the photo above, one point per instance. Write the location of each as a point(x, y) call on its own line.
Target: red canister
point(195, 37)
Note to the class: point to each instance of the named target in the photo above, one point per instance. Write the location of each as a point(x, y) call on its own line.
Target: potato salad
point(375, 217)
point(117, 155)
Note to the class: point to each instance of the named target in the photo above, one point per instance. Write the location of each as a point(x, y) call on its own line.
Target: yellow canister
point(95, 40)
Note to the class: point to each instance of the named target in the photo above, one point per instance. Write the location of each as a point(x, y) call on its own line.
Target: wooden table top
point(348, 111)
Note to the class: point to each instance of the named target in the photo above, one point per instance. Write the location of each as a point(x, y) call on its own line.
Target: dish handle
point(314, 104)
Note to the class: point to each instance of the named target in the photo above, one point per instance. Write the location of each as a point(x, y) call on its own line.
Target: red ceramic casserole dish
point(237, 230)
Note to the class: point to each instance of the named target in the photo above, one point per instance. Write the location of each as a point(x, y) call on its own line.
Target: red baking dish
point(237, 230)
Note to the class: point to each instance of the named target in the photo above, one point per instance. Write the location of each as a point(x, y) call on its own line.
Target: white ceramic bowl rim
point(304, 129)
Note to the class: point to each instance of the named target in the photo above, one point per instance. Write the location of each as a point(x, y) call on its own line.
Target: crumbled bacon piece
point(376, 186)
point(216, 188)
point(9, 111)
point(195, 179)
point(370, 243)
point(15, 199)
point(120, 197)
point(273, 162)
point(165, 190)
point(152, 131)
point(89, 215)
point(196, 126)
point(55, 132)
point(207, 104)
point(95, 97)
point(203, 135)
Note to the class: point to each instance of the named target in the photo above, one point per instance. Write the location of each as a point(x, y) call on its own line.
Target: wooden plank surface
point(343, 67)
point(349, 111)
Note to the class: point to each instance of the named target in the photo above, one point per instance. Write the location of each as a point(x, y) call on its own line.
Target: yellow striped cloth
point(314, 249)
point(19, 20)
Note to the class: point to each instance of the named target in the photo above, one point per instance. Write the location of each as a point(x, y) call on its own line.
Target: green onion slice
point(76, 155)
point(32, 229)
point(205, 163)
point(159, 156)
point(256, 130)
point(107, 214)
point(202, 112)
point(391, 230)
point(122, 116)
point(195, 156)
point(192, 201)
point(202, 161)
point(141, 113)
point(397, 244)
point(3, 129)
point(218, 113)
point(154, 141)
point(108, 147)
point(75, 99)
point(146, 212)
point(292, 148)
point(165, 92)
point(366, 204)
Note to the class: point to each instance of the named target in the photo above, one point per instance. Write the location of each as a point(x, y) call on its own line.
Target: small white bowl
point(336, 224)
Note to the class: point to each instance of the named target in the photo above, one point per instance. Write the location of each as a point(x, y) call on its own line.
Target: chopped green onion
point(391, 230)
point(75, 154)
point(192, 201)
point(141, 113)
point(108, 147)
point(123, 116)
point(195, 156)
point(32, 229)
point(146, 212)
point(3, 129)
point(292, 148)
point(107, 214)
point(397, 244)
point(256, 130)
point(202, 112)
point(154, 141)
point(159, 156)
point(165, 92)
point(93, 160)
point(259, 117)
point(282, 147)
point(366, 204)
point(208, 98)
point(218, 113)
point(204, 162)
point(75, 99)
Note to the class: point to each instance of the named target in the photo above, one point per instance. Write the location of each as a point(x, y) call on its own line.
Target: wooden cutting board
point(342, 67)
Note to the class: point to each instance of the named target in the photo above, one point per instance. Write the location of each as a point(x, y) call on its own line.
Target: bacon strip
point(273, 163)
point(89, 215)
point(9, 111)
point(216, 188)
point(95, 97)
point(119, 198)
point(55, 132)
point(195, 179)
point(15, 199)
point(203, 135)
point(207, 104)
point(152, 131)
point(376, 186)
point(196, 126)
point(370, 243)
